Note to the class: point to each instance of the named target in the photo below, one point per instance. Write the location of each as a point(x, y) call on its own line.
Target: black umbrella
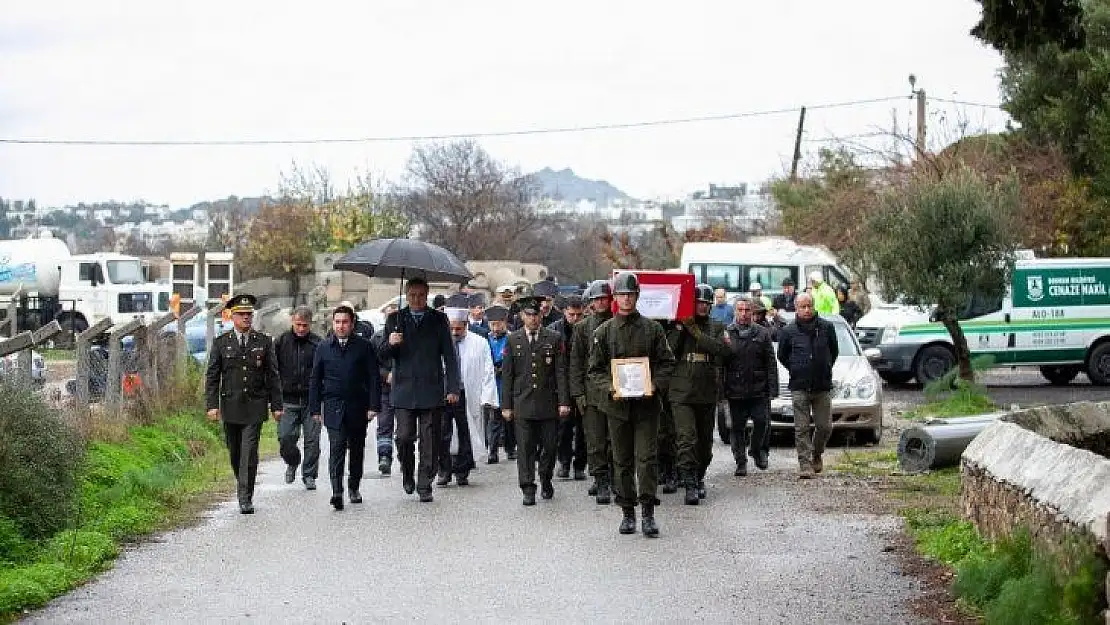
point(404, 258)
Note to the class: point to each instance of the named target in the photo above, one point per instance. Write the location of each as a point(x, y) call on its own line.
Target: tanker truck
point(47, 282)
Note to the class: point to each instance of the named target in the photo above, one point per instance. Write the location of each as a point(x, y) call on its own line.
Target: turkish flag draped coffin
point(664, 295)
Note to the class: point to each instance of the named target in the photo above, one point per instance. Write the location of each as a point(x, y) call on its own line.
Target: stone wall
point(1045, 470)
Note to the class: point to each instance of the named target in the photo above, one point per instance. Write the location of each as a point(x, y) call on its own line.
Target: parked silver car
point(857, 394)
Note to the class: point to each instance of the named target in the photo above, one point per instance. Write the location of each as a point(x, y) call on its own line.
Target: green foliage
point(1054, 82)
point(127, 489)
point(40, 455)
point(1012, 582)
point(938, 240)
point(951, 396)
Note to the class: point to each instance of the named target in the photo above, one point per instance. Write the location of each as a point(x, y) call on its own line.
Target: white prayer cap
point(755, 286)
point(816, 276)
point(506, 288)
point(457, 315)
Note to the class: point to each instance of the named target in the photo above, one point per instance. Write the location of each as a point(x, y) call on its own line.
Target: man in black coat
point(808, 349)
point(751, 381)
point(345, 393)
point(425, 375)
point(296, 349)
point(572, 439)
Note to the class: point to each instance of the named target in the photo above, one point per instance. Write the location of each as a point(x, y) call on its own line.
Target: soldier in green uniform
point(534, 397)
point(700, 350)
point(241, 387)
point(633, 421)
point(595, 423)
point(668, 449)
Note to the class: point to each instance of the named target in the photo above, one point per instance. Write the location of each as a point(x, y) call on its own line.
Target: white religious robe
point(480, 384)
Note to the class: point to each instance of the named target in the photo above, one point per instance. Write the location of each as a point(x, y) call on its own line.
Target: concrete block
point(1072, 481)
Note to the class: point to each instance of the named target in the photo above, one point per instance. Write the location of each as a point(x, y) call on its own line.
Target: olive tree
point(942, 238)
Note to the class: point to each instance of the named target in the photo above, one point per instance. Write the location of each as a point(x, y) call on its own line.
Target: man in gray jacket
point(425, 375)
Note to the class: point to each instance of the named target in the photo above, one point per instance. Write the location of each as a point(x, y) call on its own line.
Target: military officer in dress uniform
point(534, 396)
point(242, 387)
point(633, 421)
point(700, 350)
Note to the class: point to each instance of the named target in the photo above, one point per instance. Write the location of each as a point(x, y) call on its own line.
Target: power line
point(443, 137)
point(965, 103)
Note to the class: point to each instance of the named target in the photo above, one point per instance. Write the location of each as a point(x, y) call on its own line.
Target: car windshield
point(125, 272)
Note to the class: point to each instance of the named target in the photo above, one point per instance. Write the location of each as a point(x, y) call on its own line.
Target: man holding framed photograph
point(630, 363)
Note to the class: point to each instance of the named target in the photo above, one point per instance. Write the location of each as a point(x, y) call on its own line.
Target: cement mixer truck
point(46, 282)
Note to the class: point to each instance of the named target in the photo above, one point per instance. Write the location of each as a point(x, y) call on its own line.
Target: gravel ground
point(773, 550)
point(768, 550)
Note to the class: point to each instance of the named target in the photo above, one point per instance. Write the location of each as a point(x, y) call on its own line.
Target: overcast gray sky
point(204, 70)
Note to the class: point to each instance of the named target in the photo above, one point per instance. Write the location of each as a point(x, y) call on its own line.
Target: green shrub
point(33, 585)
point(40, 456)
point(81, 550)
point(13, 546)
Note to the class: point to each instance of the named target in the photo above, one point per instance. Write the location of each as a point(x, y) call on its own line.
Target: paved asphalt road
point(766, 551)
point(756, 553)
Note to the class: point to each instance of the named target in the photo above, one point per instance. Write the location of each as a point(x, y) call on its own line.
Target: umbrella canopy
point(404, 258)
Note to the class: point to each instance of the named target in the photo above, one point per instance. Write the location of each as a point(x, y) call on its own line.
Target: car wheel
point(1060, 375)
point(1098, 364)
point(932, 363)
point(901, 377)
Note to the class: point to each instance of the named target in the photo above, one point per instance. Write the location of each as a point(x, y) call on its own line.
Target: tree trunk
point(959, 343)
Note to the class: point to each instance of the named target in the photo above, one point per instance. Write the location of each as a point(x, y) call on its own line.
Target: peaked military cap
point(529, 304)
point(242, 303)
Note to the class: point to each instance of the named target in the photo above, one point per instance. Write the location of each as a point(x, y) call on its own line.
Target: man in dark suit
point(478, 323)
point(535, 396)
point(344, 393)
point(572, 439)
point(241, 387)
point(425, 375)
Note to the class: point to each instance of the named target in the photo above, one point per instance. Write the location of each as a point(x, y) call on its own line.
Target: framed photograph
point(631, 377)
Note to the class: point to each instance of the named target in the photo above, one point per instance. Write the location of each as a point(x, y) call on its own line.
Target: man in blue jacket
point(345, 393)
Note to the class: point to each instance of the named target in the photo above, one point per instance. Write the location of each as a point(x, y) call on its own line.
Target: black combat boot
point(647, 525)
point(444, 478)
point(691, 485)
point(667, 470)
point(603, 494)
point(701, 484)
point(592, 492)
point(760, 457)
point(628, 523)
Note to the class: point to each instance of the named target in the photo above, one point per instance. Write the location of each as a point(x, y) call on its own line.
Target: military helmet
point(703, 293)
point(598, 289)
point(626, 282)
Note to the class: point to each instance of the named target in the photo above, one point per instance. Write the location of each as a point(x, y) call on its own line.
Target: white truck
point(77, 290)
point(1055, 315)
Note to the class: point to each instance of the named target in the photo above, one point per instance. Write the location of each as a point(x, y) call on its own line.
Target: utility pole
point(920, 93)
point(798, 145)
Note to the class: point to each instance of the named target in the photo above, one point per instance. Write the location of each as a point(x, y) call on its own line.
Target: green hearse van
point(1055, 315)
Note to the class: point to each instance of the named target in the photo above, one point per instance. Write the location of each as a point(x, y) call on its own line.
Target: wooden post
point(152, 354)
point(84, 351)
point(182, 343)
point(920, 145)
point(13, 311)
point(210, 327)
point(114, 389)
point(798, 145)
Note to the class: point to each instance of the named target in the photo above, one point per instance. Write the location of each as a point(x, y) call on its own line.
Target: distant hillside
point(249, 205)
point(566, 185)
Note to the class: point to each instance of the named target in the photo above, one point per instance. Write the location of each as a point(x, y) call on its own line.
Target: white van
point(734, 266)
point(1055, 315)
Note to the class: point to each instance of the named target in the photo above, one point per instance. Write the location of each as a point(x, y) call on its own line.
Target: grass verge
point(1006, 582)
point(155, 478)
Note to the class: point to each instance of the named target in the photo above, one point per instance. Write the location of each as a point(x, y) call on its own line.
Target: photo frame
point(631, 378)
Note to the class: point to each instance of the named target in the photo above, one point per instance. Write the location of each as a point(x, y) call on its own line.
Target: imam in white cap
point(456, 315)
point(755, 286)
